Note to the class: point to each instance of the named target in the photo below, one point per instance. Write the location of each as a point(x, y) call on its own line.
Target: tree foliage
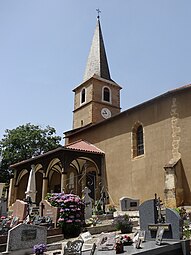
point(24, 142)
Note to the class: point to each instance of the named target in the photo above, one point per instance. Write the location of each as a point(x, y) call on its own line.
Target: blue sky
point(44, 46)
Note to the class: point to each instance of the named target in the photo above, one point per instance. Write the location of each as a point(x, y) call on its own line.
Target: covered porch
point(66, 169)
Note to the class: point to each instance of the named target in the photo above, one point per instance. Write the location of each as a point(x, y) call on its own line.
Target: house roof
point(77, 146)
point(82, 145)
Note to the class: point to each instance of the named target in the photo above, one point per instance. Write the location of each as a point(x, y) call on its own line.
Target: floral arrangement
point(92, 221)
point(71, 215)
point(126, 240)
point(112, 208)
point(39, 248)
point(123, 221)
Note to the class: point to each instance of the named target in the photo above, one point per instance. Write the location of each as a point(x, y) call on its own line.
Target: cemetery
point(67, 224)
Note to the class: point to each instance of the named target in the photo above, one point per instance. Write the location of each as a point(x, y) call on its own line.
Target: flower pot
point(70, 230)
point(126, 229)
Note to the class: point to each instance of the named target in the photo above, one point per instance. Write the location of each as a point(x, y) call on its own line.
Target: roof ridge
point(92, 147)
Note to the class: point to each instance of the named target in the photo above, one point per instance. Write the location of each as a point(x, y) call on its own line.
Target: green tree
point(24, 142)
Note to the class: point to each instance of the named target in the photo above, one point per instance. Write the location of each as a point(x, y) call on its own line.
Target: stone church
point(135, 153)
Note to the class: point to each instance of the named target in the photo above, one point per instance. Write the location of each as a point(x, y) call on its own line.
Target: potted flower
point(123, 223)
point(71, 212)
point(112, 209)
point(39, 248)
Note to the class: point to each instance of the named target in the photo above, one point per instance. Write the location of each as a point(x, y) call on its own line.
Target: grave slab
point(150, 248)
point(25, 236)
point(48, 210)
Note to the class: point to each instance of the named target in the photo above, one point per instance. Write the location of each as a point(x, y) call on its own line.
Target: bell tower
point(98, 96)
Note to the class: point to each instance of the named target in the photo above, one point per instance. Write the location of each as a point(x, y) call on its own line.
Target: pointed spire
point(97, 60)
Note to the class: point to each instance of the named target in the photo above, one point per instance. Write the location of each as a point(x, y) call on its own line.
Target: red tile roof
point(83, 146)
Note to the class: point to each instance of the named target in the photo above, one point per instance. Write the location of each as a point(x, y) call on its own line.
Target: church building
point(135, 153)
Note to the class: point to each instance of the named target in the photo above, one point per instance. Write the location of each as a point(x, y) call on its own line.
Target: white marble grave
point(88, 203)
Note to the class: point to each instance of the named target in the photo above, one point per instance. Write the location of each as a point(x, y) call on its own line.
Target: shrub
point(122, 221)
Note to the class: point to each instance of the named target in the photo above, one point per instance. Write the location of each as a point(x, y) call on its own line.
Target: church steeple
point(98, 96)
point(97, 60)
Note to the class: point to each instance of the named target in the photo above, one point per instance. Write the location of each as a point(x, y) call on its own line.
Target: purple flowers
point(71, 208)
point(39, 248)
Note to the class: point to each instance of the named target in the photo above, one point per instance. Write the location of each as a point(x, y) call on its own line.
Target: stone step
point(3, 247)
point(55, 238)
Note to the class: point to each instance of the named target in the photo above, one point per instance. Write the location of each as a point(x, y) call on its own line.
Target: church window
point(106, 94)
point(140, 144)
point(83, 95)
point(137, 140)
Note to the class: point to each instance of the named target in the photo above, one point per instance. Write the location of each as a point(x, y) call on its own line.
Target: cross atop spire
point(98, 12)
point(97, 60)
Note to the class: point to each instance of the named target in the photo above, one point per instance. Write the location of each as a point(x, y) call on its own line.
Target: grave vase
point(119, 248)
point(71, 230)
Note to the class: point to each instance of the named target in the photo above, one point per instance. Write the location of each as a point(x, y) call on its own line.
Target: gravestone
point(88, 203)
point(20, 209)
point(151, 219)
point(176, 224)
point(87, 239)
point(25, 236)
point(48, 210)
point(86, 236)
point(148, 215)
point(106, 242)
point(129, 204)
point(3, 207)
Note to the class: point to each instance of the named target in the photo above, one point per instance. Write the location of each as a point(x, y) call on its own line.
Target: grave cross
point(158, 204)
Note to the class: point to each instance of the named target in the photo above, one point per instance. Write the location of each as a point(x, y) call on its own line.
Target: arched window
point(137, 140)
point(140, 142)
point(83, 95)
point(106, 94)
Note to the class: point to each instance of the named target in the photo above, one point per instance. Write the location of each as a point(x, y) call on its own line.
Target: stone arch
point(21, 183)
point(20, 175)
point(87, 175)
point(53, 174)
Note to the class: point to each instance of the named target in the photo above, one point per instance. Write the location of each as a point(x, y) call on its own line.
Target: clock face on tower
point(106, 113)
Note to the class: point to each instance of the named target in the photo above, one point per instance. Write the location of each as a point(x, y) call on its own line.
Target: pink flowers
point(69, 221)
point(71, 208)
